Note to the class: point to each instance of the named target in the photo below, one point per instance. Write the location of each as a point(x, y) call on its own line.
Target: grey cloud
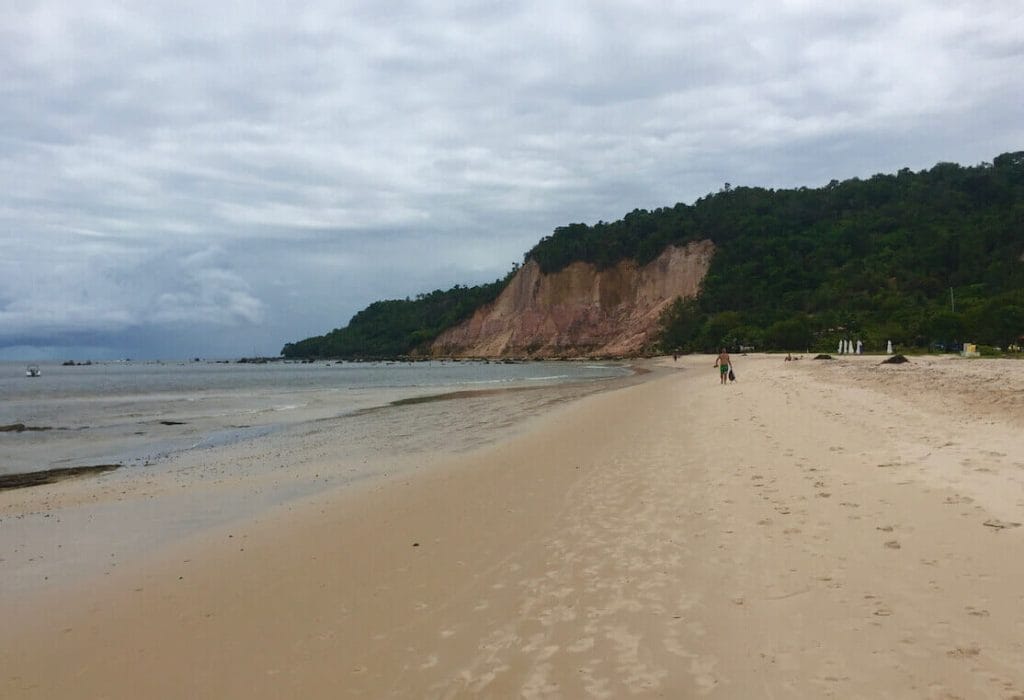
point(261, 172)
point(104, 286)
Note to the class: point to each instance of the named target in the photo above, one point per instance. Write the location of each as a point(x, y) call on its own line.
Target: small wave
point(232, 436)
point(258, 410)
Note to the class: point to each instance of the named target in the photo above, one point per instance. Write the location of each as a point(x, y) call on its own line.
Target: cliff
point(580, 310)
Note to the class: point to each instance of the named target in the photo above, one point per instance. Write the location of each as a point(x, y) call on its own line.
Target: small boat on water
point(32, 371)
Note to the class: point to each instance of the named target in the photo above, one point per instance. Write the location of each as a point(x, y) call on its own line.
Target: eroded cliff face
point(579, 311)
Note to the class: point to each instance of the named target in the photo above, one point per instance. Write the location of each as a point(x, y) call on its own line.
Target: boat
point(32, 371)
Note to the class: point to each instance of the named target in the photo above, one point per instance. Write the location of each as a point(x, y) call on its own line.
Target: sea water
point(141, 412)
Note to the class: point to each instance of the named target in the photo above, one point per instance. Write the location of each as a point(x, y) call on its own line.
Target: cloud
point(102, 286)
point(177, 164)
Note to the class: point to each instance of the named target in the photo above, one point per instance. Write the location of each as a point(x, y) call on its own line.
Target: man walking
point(723, 363)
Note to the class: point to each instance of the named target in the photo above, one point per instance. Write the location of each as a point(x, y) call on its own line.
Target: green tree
point(681, 324)
point(944, 326)
point(790, 334)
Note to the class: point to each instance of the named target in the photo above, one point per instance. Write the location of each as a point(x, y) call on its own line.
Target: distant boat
point(32, 371)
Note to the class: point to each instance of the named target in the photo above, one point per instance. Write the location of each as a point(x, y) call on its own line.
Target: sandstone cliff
point(579, 311)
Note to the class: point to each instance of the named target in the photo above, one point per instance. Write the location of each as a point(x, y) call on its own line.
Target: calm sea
point(135, 412)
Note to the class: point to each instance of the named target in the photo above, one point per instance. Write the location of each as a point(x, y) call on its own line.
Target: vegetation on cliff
point(920, 258)
point(397, 327)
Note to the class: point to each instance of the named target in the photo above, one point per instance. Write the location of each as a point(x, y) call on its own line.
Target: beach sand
point(817, 529)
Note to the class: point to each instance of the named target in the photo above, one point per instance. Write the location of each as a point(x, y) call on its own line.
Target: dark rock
point(894, 360)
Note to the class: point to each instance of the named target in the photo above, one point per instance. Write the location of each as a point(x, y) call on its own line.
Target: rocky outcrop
point(579, 311)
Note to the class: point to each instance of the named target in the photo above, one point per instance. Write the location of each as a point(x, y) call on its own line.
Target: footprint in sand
point(997, 525)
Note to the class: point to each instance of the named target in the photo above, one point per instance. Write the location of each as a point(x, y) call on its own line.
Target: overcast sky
point(215, 179)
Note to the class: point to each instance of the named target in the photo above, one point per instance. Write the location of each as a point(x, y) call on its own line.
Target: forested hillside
point(918, 258)
point(396, 327)
point(922, 258)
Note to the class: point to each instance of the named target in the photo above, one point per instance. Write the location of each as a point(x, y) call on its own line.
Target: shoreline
point(135, 417)
point(62, 532)
point(810, 531)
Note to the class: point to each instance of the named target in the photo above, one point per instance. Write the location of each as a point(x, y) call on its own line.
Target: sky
point(215, 179)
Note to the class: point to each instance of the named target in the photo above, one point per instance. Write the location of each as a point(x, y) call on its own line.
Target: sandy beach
point(817, 529)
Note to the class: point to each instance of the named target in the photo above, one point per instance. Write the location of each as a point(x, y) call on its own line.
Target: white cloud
point(99, 286)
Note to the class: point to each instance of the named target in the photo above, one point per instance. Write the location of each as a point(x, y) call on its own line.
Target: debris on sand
point(894, 360)
point(999, 524)
point(823, 357)
point(21, 427)
point(49, 476)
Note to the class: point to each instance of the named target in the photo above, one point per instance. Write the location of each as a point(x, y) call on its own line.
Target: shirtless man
point(722, 362)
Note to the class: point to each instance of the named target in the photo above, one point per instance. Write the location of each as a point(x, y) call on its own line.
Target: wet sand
point(56, 537)
point(818, 529)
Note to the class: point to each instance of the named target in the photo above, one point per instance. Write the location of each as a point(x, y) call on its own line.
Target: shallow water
point(140, 413)
point(179, 483)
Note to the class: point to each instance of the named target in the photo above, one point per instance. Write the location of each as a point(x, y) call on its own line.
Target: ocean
point(139, 413)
